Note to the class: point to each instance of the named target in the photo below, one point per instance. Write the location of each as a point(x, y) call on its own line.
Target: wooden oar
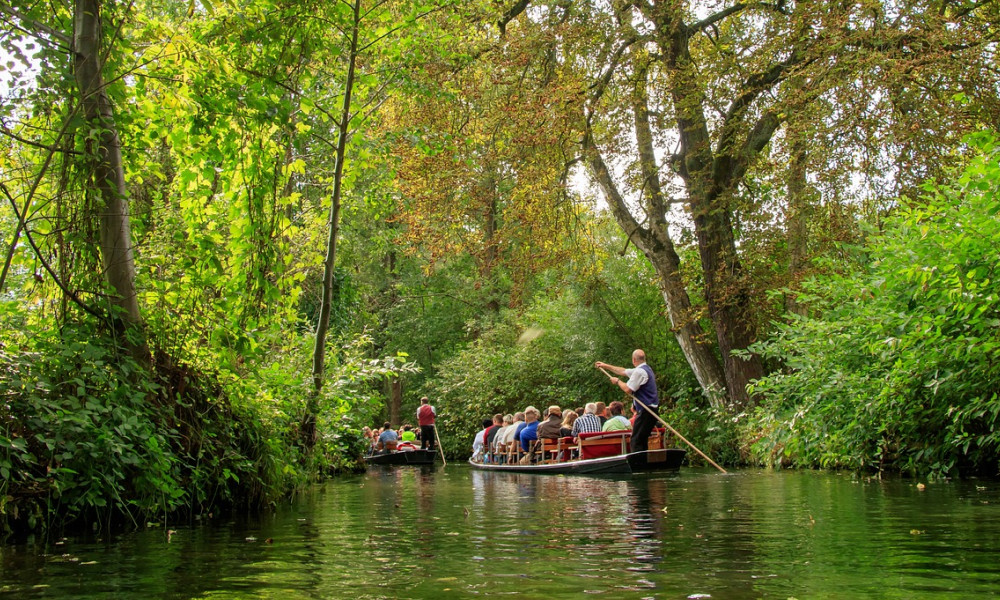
point(444, 463)
point(672, 430)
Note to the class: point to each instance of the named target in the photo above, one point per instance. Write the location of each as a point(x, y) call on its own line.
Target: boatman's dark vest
point(646, 392)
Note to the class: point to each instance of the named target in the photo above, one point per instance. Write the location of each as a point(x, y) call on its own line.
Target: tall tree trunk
point(108, 172)
point(661, 253)
point(491, 254)
point(795, 218)
point(395, 385)
point(728, 295)
point(333, 225)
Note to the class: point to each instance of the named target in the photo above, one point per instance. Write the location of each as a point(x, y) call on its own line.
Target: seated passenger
point(529, 432)
point(588, 422)
point(408, 434)
point(549, 430)
point(498, 443)
point(491, 433)
point(510, 434)
point(602, 412)
point(388, 439)
point(569, 417)
point(480, 439)
point(617, 422)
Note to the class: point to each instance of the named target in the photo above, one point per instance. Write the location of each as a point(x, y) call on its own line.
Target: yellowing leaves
point(296, 166)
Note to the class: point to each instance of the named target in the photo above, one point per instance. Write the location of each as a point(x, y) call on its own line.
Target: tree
point(719, 86)
point(371, 39)
point(105, 150)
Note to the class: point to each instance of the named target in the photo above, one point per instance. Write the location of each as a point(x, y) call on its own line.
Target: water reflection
point(456, 533)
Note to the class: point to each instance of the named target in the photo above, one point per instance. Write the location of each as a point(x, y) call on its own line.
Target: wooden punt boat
point(402, 457)
point(595, 453)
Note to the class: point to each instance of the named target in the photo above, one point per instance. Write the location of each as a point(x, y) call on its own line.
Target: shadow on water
point(437, 533)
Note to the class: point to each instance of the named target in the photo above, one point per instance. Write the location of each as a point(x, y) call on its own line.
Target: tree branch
point(761, 134)
point(599, 86)
point(754, 86)
point(510, 14)
point(40, 145)
point(40, 28)
point(611, 193)
point(711, 20)
point(45, 264)
point(644, 142)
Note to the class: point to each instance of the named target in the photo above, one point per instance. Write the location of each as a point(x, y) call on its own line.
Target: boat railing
point(586, 446)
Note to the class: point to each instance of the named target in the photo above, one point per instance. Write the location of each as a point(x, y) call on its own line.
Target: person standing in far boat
point(425, 418)
point(641, 385)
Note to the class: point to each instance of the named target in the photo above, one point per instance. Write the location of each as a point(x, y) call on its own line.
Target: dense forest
point(235, 233)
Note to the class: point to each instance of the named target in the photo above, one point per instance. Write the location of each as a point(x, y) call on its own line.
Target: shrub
point(898, 367)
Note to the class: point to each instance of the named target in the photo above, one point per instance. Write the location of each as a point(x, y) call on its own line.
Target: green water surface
point(457, 533)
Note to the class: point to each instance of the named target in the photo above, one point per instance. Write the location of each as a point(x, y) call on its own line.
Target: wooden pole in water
point(438, 440)
point(672, 430)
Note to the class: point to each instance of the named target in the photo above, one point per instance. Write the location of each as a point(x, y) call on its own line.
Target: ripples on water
point(457, 533)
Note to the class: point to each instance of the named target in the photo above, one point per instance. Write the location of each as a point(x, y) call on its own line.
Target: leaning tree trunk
point(108, 172)
point(323, 326)
point(656, 244)
point(710, 176)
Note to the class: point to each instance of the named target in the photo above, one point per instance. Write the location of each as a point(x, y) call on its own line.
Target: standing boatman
point(641, 385)
point(425, 418)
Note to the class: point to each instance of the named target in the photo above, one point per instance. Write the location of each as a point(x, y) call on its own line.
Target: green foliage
point(897, 370)
point(86, 435)
point(545, 356)
point(624, 287)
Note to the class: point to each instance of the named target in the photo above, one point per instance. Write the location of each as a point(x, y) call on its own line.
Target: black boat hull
point(634, 462)
point(408, 457)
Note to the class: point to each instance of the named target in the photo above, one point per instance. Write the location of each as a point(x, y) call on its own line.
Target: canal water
point(458, 533)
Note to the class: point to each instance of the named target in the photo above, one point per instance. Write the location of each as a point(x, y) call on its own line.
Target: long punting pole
point(672, 430)
point(436, 438)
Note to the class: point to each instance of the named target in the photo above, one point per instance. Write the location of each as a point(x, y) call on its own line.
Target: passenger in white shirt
point(510, 432)
point(480, 439)
point(498, 445)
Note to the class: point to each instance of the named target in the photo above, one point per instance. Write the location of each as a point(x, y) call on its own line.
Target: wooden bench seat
point(604, 443)
point(557, 450)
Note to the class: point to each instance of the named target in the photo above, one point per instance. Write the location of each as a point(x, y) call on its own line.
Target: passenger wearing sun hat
point(549, 430)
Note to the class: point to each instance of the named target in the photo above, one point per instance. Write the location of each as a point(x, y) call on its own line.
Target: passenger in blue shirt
point(529, 432)
point(388, 438)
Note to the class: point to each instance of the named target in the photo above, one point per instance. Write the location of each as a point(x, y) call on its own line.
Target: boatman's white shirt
point(637, 377)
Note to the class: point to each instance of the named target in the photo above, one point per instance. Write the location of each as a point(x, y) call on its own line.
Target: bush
point(897, 370)
point(88, 434)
